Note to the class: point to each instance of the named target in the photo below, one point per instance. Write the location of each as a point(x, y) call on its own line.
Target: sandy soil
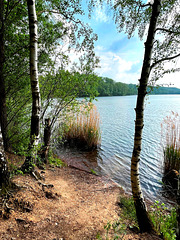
point(77, 207)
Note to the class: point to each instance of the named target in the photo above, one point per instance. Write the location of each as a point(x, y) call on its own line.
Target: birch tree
point(35, 116)
point(141, 212)
point(35, 123)
point(158, 22)
point(162, 17)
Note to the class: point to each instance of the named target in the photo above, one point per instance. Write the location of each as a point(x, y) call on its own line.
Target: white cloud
point(115, 67)
point(172, 79)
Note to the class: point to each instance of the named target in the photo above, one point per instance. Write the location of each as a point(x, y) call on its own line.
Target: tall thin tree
point(36, 100)
point(141, 212)
point(161, 17)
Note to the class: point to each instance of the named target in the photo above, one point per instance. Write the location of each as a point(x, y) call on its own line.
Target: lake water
point(117, 125)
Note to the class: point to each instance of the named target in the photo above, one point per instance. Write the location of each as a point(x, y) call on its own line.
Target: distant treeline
point(108, 87)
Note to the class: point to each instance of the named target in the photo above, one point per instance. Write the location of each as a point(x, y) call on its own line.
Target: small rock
point(26, 225)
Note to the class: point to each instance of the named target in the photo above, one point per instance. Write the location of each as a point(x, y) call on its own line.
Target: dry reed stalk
point(85, 127)
point(172, 142)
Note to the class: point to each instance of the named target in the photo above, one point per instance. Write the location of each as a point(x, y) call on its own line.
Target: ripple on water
point(114, 156)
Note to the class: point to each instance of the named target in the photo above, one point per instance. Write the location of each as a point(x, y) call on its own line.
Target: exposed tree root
point(37, 175)
point(45, 185)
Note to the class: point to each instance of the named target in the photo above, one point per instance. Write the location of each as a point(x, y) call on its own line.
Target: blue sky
point(120, 58)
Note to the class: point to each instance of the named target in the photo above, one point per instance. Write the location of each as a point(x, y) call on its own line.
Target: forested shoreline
point(108, 87)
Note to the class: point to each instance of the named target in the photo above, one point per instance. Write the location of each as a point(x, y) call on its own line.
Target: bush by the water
point(171, 133)
point(171, 128)
point(83, 129)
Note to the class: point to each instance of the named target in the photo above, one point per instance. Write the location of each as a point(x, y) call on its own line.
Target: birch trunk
point(4, 173)
point(145, 224)
point(3, 109)
point(35, 116)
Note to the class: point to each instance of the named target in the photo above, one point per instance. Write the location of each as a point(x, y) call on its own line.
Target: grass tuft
point(83, 129)
point(171, 129)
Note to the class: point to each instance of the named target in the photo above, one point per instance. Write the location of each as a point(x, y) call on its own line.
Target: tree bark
point(35, 116)
point(3, 109)
point(47, 138)
point(144, 222)
point(4, 173)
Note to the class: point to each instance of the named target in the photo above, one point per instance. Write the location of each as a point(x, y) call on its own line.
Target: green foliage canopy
point(60, 31)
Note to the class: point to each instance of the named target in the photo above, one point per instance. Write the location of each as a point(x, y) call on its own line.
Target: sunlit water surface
point(117, 126)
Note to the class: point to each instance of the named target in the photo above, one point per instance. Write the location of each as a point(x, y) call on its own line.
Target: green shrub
point(164, 220)
point(116, 230)
point(55, 161)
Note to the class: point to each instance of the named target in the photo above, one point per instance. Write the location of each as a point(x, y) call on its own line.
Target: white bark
point(35, 122)
point(142, 215)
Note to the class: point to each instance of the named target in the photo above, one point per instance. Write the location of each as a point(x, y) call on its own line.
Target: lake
point(117, 125)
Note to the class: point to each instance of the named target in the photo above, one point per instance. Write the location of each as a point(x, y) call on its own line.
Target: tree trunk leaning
point(144, 222)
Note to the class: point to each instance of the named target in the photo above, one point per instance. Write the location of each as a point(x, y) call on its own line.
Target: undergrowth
point(127, 220)
point(55, 161)
point(164, 221)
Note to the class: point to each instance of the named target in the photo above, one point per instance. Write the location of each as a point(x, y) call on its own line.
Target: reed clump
point(171, 133)
point(172, 143)
point(83, 129)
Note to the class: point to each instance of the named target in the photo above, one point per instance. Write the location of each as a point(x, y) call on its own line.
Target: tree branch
point(167, 30)
point(136, 2)
point(146, 5)
point(61, 13)
point(162, 60)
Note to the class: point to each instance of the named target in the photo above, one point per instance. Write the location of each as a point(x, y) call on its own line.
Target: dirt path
point(77, 207)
